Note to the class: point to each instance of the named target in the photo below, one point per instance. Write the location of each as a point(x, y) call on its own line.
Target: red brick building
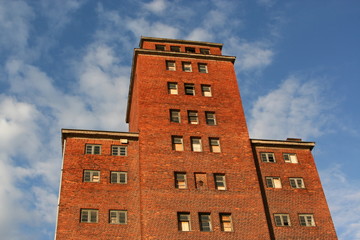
point(187, 168)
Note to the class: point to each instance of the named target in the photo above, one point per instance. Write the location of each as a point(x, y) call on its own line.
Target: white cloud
point(143, 27)
point(199, 34)
point(156, 6)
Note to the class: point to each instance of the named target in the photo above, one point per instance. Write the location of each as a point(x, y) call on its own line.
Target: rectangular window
point(220, 182)
point(93, 149)
point(180, 180)
point(297, 183)
point(172, 88)
point(226, 222)
point(196, 144)
point(204, 51)
point(290, 158)
point(307, 220)
point(267, 157)
point(89, 215)
point(91, 176)
point(189, 49)
point(160, 47)
point(187, 67)
point(118, 150)
point(210, 118)
point(184, 221)
point(282, 220)
point(273, 182)
point(170, 65)
point(206, 90)
point(214, 145)
point(175, 48)
point(118, 177)
point(201, 181)
point(205, 222)
point(193, 117)
point(175, 116)
point(203, 68)
point(177, 143)
point(118, 217)
point(189, 89)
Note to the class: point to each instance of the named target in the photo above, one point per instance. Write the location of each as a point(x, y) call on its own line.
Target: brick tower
point(187, 169)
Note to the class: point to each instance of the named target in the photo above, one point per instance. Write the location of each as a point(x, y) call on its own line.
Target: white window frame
point(118, 217)
point(290, 157)
point(118, 150)
point(202, 67)
point(196, 145)
point(297, 182)
point(180, 180)
point(268, 157)
point(118, 177)
point(170, 65)
point(173, 88)
point(186, 66)
point(93, 149)
point(273, 182)
point(307, 220)
point(282, 220)
point(175, 116)
point(189, 89)
point(91, 176)
point(226, 222)
point(205, 222)
point(210, 118)
point(184, 222)
point(220, 181)
point(206, 90)
point(193, 117)
point(177, 143)
point(89, 216)
point(215, 145)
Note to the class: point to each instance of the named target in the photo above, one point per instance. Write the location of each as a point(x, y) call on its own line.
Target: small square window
point(172, 88)
point(91, 176)
point(177, 143)
point(307, 220)
point(118, 150)
point(189, 49)
point(187, 67)
point(93, 149)
point(175, 48)
point(267, 157)
point(210, 118)
point(220, 182)
point(118, 177)
point(160, 47)
point(297, 183)
point(196, 144)
point(170, 65)
point(226, 222)
point(203, 68)
point(204, 51)
point(184, 221)
point(290, 158)
point(206, 90)
point(273, 182)
point(189, 89)
point(180, 180)
point(175, 116)
point(205, 222)
point(282, 220)
point(193, 117)
point(118, 217)
point(89, 215)
point(214, 145)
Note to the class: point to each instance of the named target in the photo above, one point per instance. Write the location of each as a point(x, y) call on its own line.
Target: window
point(118, 177)
point(180, 180)
point(175, 116)
point(290, 158)
point(206, 90)
point(160, 47)
point(189, 49)
point(175, 48)
point(93, 149)
point(119, 150)
point(89, 215)
point(214, 145)
point(204, 51)
point(282, 220)
point(297, 183)
point(172, 88)
point(184, 221)
point(220, 182)
point(210, 118)
point(267, 157)
point(91, 176)
point(203, 68)
point(205, 222)
point(307, 220)
point(193, 117)
point(170, 65)
point(177, 143)
point(201, 181)
point(226, 222)
point(196, 144)
point(189, 89)
point(273, 182)
point(118, 217)
point(186, 67)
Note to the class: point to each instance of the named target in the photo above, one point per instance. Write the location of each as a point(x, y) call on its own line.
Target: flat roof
point(282, 143)
point(153, 39)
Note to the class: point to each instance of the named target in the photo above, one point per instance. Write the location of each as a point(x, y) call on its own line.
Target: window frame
point(170, 65)
point(190, 50)
point(175, 116)
point(184, 219)
point(175, 142)
point(160, 47)
point(186, 66)
point(213, 146)
point(171, 89)
point(305, 222)
point(297, 182)
point(290, 158)
point(193, 117)
point(189, 89)
point(119, 176)
point(91, 175)
point(283, 219)
point(205, 222)
point(210, 118)
point(203, 68)
point(120, 149)
point(196, 145)
point(93, 149)
point(118, 217)
point(224, 222)
point(89, 215)
point(178, 48)
point(266, 157)
point(220, 184)
point(205, 51)
point(180, 177)
point(206, 90)
point(273, 181)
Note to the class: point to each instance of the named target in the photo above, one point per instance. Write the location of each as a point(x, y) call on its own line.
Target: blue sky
point(66, 64)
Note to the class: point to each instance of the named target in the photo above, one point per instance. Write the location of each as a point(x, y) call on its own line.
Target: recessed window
point(174, 115)
point(307, 220)
point(89, 215)
point(267, 157)
point(189, 49)
point(118, 150)
point(172, 88)
point(175, 48)
point(187, 67)
point(220, 182)
point(206, 90)
point(196, 144)
point(177, 143)
point(226, 222)
point(205, 222)
point(180, 180)
point(160, 47)
point(118, 177)
point(210, 118)
point(184, 221)
point(93, 149)
point(201, 181)
point(204, 51)
point(214, 145)
point(297, 183)
point(290, 158)
point(193, 117)
point(282, 220)
point(273, 182)
point(203, 68)
point(91, 176)
point(189, 89)
point(118, 217)
point(170, 65)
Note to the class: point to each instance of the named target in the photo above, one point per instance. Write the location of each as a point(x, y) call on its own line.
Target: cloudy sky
point(66, 64)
